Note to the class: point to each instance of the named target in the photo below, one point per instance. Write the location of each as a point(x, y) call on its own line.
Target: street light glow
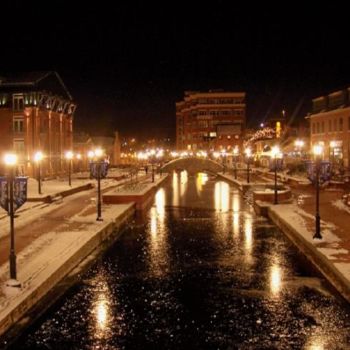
point(275, 151)
point(98, 152)
point(317, 150)
point(69, 155)
point(10, 159)
point(38, 156)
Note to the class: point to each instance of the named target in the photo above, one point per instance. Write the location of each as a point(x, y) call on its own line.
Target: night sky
point(126, 66)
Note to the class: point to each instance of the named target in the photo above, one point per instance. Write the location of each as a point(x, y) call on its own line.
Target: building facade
point(36, 114)
point(330, 126)
point(213, 120)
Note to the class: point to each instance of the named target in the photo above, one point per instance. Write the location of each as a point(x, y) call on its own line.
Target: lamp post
point(248, 153)
point(69, 157)
point(317, 151)
point(152, 154)
point(38, 156)
point(274, 152)
point(235, 154)
point(11, 161)
point(98, 170)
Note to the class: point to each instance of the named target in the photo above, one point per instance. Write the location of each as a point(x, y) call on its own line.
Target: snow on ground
point(330, 242)
point(31, 211)
point(52, 187)
point(42, 258)
point(339, 204)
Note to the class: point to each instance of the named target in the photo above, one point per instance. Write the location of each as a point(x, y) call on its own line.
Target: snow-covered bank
point(327, 255)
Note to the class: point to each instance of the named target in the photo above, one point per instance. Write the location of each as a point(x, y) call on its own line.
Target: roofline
point(4, 84)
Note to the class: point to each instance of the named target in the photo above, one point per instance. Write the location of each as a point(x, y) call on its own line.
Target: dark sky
point(126, 65)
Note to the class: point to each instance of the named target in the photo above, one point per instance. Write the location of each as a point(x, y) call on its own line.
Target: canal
point(202, 271)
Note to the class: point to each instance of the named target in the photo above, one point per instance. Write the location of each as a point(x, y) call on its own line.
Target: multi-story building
point(213, 120)
point(36, 114)
point(330, 125)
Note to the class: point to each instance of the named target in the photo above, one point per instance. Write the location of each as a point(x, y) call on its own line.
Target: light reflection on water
point(216, 277)
point(275, 279)
point(158, 235)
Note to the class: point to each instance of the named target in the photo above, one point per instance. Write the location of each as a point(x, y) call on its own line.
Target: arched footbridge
point(192, 165)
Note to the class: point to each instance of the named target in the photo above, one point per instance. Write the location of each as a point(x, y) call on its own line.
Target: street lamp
point(275, 151)
point(235, 154)
point(248, 153)
point(11, 161)
point(38, 157)
point(152, 154)
point(317, 151)
point(69, 157)
point(98, 170)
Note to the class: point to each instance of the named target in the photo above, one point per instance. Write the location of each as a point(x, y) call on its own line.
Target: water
point(202, 272)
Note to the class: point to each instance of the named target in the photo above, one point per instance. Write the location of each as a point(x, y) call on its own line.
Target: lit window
point(18, 103)
point(18, 125)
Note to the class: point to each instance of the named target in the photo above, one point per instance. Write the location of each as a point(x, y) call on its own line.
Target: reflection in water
point(316, 343)
point(275, 279)
point(221, 196)
point(235, 224)
point(236, 214)
point(248, 232)
point(175, 189)
point(158, 235)
point(101, 310)
point(201, 180)
point(183, 183)
point(236, 202)
point(160, 203)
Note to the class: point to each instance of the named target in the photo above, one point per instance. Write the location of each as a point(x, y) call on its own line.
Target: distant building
point(82, 144)
point(111, 146)
point(36, 114)
point(330, 125)
point(213, 120)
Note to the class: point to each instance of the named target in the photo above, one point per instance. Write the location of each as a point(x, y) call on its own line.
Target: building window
point(340, 124)
point(348, 123)
point(18, 103)
point(330, 125)
point(314, 128)
point(18, 125)
point(335, 125)
point(322, 127)
point(318, 128)
point(18, 146)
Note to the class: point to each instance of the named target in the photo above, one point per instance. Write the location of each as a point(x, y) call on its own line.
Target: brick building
point(330, 125)
point(36, 114)
point(211, 120)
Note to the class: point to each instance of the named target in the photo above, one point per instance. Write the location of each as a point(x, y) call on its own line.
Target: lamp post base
point(317, 234)
point(99, 219)
point(13, 283)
